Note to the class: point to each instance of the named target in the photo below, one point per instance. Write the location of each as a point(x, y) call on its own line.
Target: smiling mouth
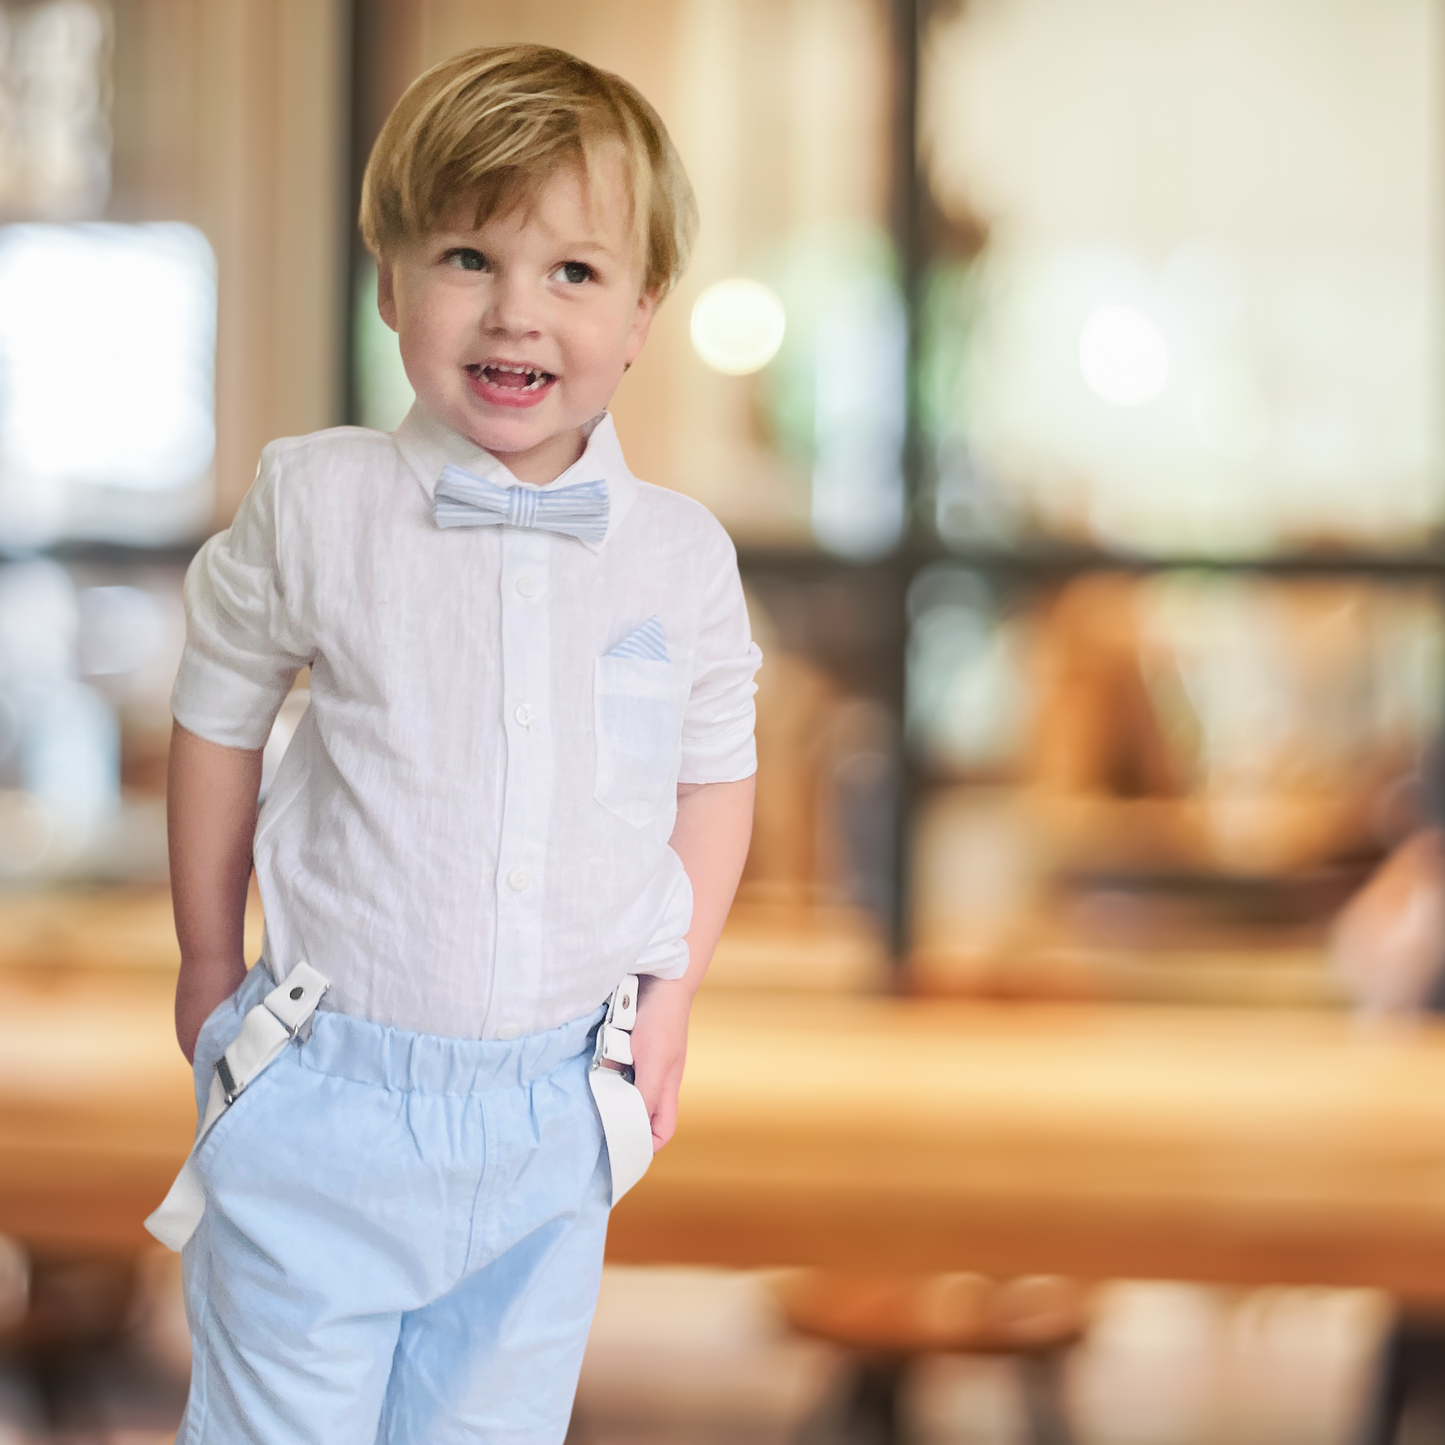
point(512, 378)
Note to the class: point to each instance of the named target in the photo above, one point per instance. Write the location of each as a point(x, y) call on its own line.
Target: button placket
point(527, 787)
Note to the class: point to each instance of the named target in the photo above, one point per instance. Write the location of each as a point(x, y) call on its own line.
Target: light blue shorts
point(402, 1240)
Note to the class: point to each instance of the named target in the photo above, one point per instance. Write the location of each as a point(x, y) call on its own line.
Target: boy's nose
point(510, 309)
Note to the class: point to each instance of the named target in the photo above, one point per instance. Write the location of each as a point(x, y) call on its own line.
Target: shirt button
point(527, 586)
point(508, 1031)
point(526, 715)
point(519, 878)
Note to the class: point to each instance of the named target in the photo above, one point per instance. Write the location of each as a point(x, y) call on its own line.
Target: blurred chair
point(1097, 731)
point(890, 1322)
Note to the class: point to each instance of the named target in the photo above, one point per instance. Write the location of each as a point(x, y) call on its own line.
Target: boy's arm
point(211, 819)
point(711, 835)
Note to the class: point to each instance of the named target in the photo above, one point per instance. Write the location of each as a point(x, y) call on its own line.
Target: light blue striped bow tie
point(462, 500)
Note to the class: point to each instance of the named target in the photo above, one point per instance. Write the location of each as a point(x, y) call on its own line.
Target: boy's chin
point(545, 434)
point(517, 447)
point(504, 441)
point(499, 431)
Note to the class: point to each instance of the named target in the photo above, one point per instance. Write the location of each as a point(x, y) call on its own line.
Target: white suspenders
point(265, 1031)
point(625, 1120)
point(284, 1013)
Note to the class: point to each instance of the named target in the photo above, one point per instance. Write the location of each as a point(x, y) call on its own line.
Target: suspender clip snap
point(614, 1038)
point(229, 1087)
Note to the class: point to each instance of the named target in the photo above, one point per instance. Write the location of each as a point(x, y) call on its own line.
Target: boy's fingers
point(664, 1123)
point(663, 1115)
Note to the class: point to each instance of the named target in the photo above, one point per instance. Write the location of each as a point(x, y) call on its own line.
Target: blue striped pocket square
point(648, 642)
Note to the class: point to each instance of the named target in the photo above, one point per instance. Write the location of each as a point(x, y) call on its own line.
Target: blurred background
point(1067, 373)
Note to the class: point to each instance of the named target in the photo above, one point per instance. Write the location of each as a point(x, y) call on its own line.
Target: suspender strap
point(265, 1031)
point(625, 1121)
point(284, 1013)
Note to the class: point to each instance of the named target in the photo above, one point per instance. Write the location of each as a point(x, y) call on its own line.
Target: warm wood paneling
point(229, 115)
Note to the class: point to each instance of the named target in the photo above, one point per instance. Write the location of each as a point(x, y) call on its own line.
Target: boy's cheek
point(428, 344)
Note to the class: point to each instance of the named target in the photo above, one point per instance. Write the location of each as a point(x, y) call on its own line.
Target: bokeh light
point(1123, 356)
point(738, 326)
point(107, 338)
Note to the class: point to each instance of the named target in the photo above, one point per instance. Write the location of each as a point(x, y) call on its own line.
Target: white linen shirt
point(468, 834)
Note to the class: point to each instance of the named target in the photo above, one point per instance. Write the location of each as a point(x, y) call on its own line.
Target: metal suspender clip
point(614, 1038)
point(292, 1006)
point(229, 1087)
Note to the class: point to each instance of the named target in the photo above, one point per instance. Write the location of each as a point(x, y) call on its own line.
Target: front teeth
point(534, 378)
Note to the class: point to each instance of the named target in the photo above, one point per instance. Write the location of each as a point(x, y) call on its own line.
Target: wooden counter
point(1100, 1141)
point(1090, 1140)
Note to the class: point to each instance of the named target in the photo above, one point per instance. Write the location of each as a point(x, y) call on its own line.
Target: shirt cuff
point(220, 705)
point(732, 765)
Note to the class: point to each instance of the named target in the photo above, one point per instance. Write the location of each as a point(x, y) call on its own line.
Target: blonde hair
point(493, 124)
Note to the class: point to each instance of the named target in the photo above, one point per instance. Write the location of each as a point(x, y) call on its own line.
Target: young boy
point(525, 775)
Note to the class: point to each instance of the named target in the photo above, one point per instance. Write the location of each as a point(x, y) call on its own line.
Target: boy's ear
point(641, 325)
point(386, 291)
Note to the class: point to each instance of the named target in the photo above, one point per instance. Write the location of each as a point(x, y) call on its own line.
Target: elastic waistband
point(370, 1053)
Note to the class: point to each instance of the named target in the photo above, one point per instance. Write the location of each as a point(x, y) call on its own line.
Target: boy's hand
point(201, 986)
point(659, 1050)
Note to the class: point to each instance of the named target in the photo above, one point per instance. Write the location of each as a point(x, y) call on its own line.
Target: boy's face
point(515, 334)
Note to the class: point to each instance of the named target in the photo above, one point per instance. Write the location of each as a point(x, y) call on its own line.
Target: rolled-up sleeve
point(243, 646)
point(717, 730)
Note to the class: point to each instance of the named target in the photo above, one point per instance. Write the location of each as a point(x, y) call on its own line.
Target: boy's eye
point(575, 272)
point(466, 258)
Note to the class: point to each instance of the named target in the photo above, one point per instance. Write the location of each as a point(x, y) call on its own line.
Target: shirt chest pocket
point(637, 711)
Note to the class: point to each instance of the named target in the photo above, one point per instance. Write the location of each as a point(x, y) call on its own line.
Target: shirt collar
point(428, 448)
